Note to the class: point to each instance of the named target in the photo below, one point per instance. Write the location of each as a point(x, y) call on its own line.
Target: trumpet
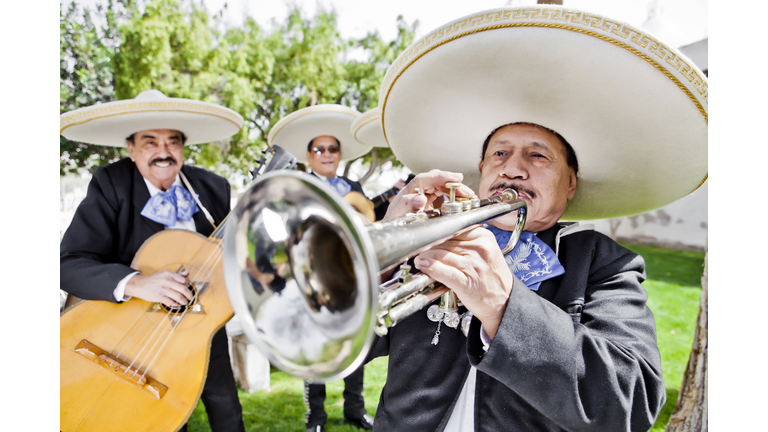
point(302, 270)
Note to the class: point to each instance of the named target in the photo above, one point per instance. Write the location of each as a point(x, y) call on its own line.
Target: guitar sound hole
point(181, 309)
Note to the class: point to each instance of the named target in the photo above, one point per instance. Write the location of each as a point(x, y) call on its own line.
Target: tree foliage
point(177, 47)
point(86, 74)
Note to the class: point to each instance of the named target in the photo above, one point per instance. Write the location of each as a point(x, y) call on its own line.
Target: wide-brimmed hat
point(294, 131)
point(111, 123)
point(367, 129)
point(633, 108)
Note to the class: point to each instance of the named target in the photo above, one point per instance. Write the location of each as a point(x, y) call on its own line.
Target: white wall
point(73, 189)
point(683, 224)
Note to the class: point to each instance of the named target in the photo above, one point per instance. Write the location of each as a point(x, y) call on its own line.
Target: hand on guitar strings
point(166, 287)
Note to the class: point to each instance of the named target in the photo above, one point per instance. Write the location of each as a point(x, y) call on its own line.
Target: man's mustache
point(159, 160)
point(509, 185)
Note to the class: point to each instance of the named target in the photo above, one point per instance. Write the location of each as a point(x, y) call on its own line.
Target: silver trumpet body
point(303, 269)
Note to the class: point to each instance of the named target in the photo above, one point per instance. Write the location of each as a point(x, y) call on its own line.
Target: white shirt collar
point(321, 177)
point(154, 191)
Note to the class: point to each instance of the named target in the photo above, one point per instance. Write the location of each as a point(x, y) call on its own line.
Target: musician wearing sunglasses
point(320, 137)
point(324, 156)
point(557, 335)
point(133, 199)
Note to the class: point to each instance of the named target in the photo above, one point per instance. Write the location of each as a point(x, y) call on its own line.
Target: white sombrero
point(112, 122)
point(294, 131)
point(367, 129)
point(633, 108)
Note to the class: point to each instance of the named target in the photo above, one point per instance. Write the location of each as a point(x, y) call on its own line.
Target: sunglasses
point(321, 150)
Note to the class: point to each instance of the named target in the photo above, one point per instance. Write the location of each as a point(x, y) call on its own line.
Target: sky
point(357, 17)
point(686, 18)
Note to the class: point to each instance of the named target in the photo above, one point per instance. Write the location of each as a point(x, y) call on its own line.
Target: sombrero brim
point(111, 123)
point(294, 131)
point(367, 129)
point(634, 109)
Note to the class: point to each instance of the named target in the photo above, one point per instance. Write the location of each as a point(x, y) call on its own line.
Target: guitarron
point(141, 366)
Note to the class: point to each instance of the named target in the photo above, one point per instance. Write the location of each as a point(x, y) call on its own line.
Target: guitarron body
point(111, 380)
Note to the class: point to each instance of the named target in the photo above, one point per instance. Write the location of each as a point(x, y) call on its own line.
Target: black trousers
point(354, 405)
point(220, 392)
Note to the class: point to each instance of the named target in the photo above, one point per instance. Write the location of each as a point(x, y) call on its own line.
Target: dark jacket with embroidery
point(579, 354)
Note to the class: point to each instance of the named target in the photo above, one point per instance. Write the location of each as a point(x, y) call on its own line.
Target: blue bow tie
point(532, 261)
point(340, 185)
point(166, 207)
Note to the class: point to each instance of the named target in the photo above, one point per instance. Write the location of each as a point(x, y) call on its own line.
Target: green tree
point(364, 83)
point(176, 47)
point(306, 70)
point(173, 48)
point(86, 74)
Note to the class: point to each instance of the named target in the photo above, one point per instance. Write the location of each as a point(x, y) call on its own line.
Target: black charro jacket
point(108, 228)
point(579, 354)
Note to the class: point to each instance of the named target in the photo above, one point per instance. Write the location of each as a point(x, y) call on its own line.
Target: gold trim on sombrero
point(479, 23)
point(114, 109)
point(315, 109)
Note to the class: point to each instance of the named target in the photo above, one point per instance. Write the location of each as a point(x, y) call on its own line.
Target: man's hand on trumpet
point(471, 264)
point(431, 189)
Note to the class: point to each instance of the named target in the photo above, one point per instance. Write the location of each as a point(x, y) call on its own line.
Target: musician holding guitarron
point(143, 250)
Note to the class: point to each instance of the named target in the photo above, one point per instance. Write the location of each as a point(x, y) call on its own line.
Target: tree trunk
point(690, 414)
point(374, 165)
point(614, 226)
point(249, 366)
point(237, 356)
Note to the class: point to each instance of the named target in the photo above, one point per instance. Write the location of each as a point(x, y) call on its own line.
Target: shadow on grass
point(674, 266)
point(666, 411)
point(282, 408)
point(275, 411)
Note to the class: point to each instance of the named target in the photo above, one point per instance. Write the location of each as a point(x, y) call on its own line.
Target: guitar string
point(143, 347)
point(206, 269)
point(178, 321)
point(125, 344)
point(152, 337)
point(210, 267)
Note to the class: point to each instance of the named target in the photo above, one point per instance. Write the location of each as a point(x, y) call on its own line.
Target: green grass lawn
point(674, 289)
point(673, 285)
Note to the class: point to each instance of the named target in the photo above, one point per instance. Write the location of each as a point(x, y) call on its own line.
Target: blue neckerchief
point(340, 185)
point(532, 261)
point(166, 207)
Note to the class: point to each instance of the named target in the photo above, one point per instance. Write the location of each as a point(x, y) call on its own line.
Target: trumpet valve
point(435, 314)
point(405, 274)
point(452, 319)
point(452, 206)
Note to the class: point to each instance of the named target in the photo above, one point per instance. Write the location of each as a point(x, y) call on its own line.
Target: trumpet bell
point(301, 275)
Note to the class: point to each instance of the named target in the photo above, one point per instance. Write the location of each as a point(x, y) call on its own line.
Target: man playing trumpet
point(560, 336)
